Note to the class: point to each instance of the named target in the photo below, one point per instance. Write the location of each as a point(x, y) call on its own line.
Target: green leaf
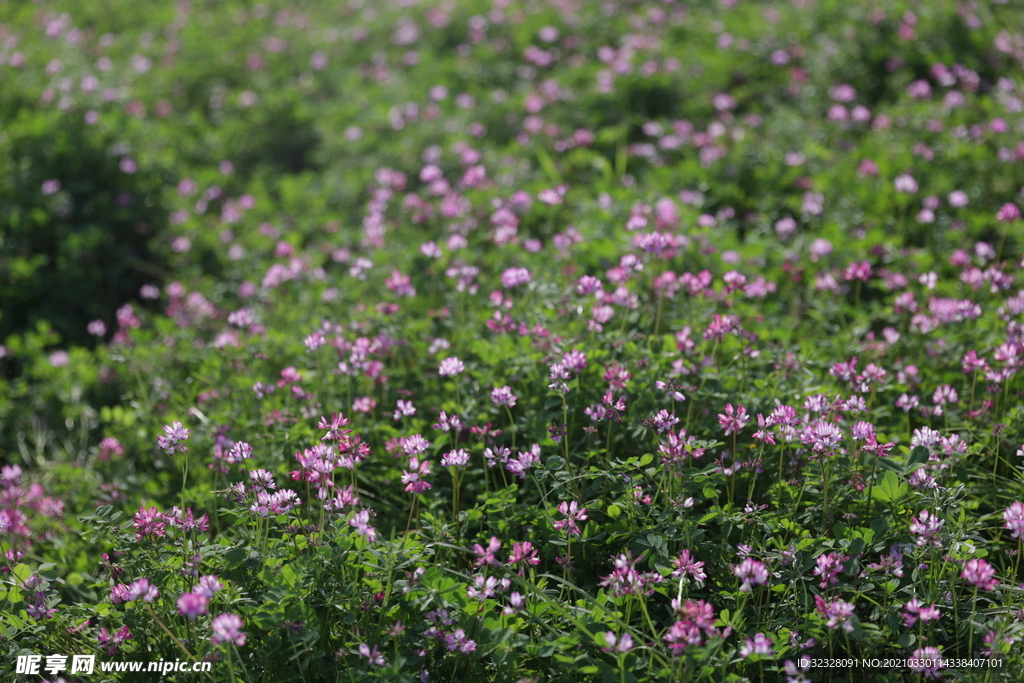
point(890, 465)
point(918, 456)
point(889, 488)
point(289, 575)
point(613, 511)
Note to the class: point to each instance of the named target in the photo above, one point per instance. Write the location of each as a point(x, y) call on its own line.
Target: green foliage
point(324, 226)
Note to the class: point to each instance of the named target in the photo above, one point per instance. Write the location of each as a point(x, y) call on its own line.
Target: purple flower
point(414, 476)
point(523, 553)
point(110, 642)
point(616, 644)
point(174, 441)
point(926, 528)
point(451, 367)
point(372, 655)
point(208, 585)
point(414, 445)
point(685, 565)
point(404, 409)
point(334, 427)
point(459, 641)
point(751, 573)
point(227, 628)
point(836, 613)
point(573, 513)
point(483, 587)
point(149, 522)
point(830, 565)
point(447, 423)
point(626, 580)
point(456, 458)
point(503, 396)
point(1013, 517)
point(914, 610)
point(361, 522)
point(575, 361)
point(141, 590)
point(192, 605)
point(824, 437)
point(905, 183)
point(664, 421)
point(514, 277)
point(760, 644)
point(927, 661)
point(980, 573)
point(485, 557)
point(733, 420)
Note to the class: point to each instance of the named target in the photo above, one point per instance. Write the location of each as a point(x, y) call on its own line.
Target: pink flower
point(1013, 517)
point(760, 644)
point(456, 458)
point(485, 557)
point(208, 585)
point(573, 513)
point(616, 644)
point(400, 284)
point(227, 629)
point(451, 367)
point(681, 635)
point(483, 587)
point(574, 361)
point(459, 641)
point(830, 565)
point(110, 642)
point(523, 553)
point(372, 655)
point(149, 522)
point(447, 424)
point(1008, 213)
point(928, 661)
point(414, 476)
point(914, 610)
point(514, 277)
point(734, 419)
point(334, 427)
point(926, 528)
point(835, 612)
point(516, 603)
point(981, 574)
point(751, 573)
point(905, 183)
point(141, 590)
point(685, 565)
point(404, 409)
point(503, 396)
point(192, 605)
point(361, 522)
point(174, 441)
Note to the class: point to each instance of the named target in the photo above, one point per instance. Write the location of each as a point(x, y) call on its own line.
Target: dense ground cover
point(513, 341)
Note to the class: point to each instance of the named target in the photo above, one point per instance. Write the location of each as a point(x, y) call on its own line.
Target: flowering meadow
point(513, 340)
